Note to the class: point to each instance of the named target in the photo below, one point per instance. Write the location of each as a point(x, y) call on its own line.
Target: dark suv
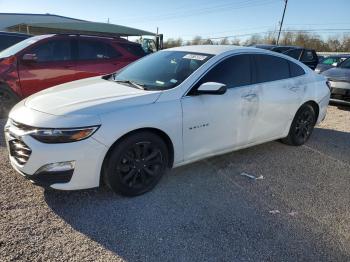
point(8, 39)
point(304, 55)
point(44, 61)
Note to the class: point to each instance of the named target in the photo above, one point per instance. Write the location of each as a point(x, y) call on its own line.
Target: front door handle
point(249, 97)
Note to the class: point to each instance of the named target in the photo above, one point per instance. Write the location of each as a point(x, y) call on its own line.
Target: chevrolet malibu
point(168, 109)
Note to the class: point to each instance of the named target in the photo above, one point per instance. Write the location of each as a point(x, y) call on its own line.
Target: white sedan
point(166, 110)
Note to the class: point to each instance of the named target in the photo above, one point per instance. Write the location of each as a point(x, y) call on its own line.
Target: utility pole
point(281, 24)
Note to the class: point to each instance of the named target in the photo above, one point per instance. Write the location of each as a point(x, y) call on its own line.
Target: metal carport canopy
point(78, 28)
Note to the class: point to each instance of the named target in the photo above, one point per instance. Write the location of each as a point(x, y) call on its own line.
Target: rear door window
point(295, 53)
point(96, 50)
point(295, 70)
point(233, 72)
point(307, 56)
point(53, 51)
point(271, 68)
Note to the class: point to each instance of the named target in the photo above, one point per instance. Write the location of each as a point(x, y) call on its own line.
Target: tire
point(136, 164)
point(7, 100)
point(302, 126)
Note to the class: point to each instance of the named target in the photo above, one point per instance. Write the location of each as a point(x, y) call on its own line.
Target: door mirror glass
point(335, 64)
point(211, 88)
point(30, 58)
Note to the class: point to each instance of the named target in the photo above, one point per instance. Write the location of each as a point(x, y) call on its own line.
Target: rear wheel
point(136, 164)
point(302, 126)
point(7, 100)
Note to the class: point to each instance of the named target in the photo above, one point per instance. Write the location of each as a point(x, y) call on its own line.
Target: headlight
point(64, 135)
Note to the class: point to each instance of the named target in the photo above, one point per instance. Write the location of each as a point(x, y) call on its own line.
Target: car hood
point(89, 96)
point(340, 74)
point(323, 67)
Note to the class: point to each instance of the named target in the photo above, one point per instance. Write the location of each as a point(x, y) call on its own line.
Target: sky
point(209, 19)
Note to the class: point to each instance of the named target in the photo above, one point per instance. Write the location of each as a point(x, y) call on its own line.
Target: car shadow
point(180, 221)
point(342, 105)
point(331, 142)
point(344, 108)
point(198, 214)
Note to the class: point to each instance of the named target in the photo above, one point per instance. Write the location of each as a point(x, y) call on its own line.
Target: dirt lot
point(201, 212)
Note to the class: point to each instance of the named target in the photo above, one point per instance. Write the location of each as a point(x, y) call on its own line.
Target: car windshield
point(332, 60)
point(162, 70)
point(14, 49)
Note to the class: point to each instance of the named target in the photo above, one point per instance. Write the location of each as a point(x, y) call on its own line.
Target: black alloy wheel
point(140, 165)
point(136, 164)
point(302, 126)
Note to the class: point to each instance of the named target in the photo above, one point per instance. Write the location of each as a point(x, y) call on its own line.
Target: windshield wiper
point(132, 83)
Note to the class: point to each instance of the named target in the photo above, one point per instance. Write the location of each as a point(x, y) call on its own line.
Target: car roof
point(264, 46)
point(291, 46)
point(215, 49)
point(114, 39)
point(276, 46)
point(220, 49)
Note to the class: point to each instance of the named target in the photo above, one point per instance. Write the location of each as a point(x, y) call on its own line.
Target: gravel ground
point(206, 211)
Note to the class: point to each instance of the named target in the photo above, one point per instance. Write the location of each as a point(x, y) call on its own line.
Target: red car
point(44, 61)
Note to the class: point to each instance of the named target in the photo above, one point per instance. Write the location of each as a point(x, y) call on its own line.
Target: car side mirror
point(29, 58)
point(211, 88)
point(335, 64)
point(149, 45)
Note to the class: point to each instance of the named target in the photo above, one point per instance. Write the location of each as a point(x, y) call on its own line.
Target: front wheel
point(302, 126)
point(136, 164)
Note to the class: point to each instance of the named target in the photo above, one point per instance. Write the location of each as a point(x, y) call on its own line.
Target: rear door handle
point(249, 97)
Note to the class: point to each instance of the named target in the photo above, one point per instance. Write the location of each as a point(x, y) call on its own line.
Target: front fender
point(164, 116)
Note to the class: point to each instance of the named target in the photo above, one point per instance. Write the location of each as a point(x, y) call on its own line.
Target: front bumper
point(340, 89)
point(48, 179)
point(323, 105)
point(88, 155)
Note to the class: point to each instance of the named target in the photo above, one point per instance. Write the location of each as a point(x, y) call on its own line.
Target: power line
point(266, 26)
point(335, 23)
point(180, 13)
point(229, 31)
point(231, 36)
point(318, 30)
point(329, 30)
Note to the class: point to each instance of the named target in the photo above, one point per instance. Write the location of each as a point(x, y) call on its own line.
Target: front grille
point(19, 151)
point(17, 148)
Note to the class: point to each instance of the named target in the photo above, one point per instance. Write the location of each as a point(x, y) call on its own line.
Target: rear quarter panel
point(317, 90)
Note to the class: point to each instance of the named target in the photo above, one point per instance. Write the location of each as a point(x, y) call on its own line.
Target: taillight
point(8, 60)
point(329, 84)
